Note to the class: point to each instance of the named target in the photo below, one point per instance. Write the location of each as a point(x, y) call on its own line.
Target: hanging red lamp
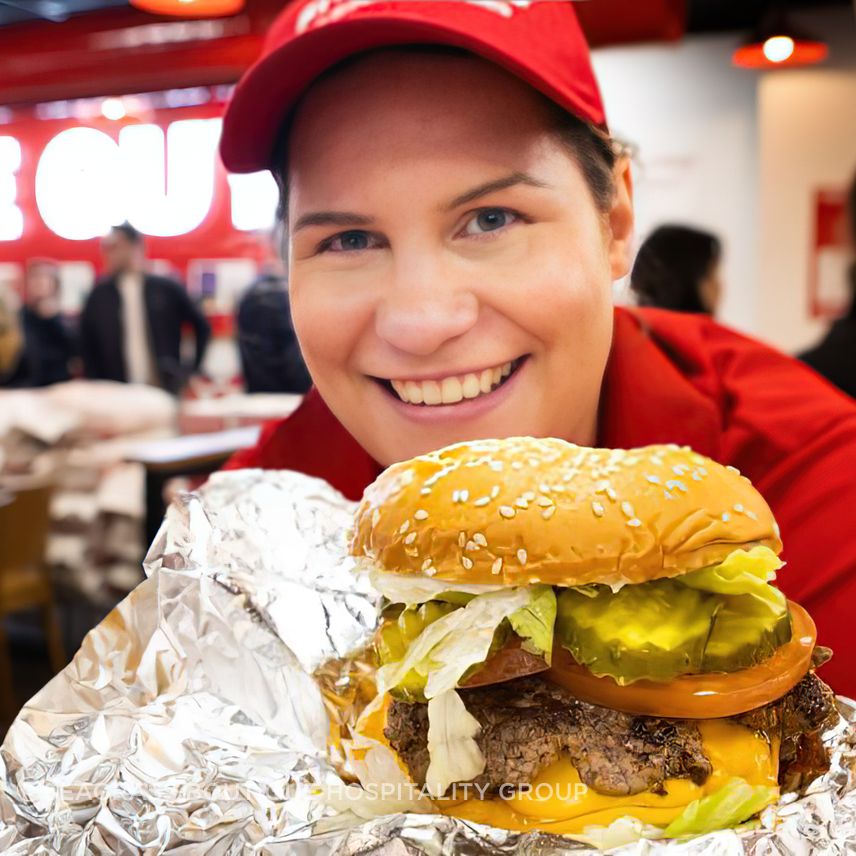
point(777, 44)
point(190, 8)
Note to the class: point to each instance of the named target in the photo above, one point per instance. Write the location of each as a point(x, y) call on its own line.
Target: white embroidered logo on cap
point(317, 13)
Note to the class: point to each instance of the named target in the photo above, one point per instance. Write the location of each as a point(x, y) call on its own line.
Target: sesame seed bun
point(522, 510)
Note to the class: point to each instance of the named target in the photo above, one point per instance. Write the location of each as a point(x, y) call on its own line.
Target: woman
point(456, 215)
point(678, 268)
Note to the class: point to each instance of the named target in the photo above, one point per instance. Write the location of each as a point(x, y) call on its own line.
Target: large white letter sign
point(169, 191)
point(254, 198)
point(11, 216)
point(78, 184)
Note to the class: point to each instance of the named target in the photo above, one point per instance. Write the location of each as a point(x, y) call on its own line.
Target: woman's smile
point(452, 395)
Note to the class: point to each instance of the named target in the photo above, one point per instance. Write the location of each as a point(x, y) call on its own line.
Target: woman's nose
point(421, 313)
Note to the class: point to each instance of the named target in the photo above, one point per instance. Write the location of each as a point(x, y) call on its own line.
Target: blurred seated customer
point(270, 354)
point(835, 355)
point(678, 268)
point(12, 366)
point(48, 341)
point(130, 328)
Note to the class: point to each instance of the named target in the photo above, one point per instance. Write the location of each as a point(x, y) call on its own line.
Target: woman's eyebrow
point(493, 186)
point(331, 218)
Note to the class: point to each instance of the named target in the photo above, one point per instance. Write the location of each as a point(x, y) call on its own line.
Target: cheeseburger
point(576, 635)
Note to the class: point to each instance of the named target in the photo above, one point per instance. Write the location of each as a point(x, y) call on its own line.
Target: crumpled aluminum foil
point(190, 721)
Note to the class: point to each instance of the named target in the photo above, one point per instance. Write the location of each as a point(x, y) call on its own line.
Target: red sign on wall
point(69, 170)
point(829, 294)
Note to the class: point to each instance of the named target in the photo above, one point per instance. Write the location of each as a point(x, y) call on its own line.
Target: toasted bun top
point(522, 510)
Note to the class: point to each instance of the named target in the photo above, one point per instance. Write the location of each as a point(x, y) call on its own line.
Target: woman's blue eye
point(349, 241)
point(489, 220)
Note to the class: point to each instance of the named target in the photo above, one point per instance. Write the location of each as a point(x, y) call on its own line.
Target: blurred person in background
point(11, 344)
point(835, 355)
point(48, 341)
point(270, 354)
point(130, 328)
point(678, 268)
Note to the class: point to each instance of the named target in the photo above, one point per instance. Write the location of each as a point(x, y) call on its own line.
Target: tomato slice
point(510, 662)
point(707, 696)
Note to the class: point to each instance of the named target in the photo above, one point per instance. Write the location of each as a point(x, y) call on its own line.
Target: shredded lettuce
point(413, 589)
point(732, 804)
point(742, 572)
point(455, 755)
point(445, 649)
point(534, 622)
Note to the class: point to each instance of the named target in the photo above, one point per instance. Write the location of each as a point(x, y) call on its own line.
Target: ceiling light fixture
point(190, 8)
point(777, 44)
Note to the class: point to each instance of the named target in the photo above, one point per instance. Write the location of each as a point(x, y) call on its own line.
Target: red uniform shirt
point(684, 379)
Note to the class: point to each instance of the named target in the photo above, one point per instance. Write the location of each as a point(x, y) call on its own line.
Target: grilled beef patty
point(529, 723)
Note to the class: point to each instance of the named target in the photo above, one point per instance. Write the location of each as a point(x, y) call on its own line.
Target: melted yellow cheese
point(564, 805)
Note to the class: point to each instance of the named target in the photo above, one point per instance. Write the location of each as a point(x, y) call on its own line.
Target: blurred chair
point(25, 580)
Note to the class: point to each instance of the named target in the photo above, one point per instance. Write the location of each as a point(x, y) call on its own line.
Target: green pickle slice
point(641, 631)
point(662, 629)
point(745, 633)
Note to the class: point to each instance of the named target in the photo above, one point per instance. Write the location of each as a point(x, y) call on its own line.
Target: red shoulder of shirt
point(675, 378)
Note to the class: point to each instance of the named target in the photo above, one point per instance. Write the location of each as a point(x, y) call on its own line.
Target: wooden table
point(190, 455)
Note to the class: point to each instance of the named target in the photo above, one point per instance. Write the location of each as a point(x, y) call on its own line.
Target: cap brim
point(267, 93)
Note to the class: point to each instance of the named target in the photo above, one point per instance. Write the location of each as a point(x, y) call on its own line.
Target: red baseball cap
point(540, 41)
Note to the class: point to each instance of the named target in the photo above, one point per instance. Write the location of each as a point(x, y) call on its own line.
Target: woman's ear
point(621, 220)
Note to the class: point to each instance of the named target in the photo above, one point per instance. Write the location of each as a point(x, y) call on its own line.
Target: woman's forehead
point(395, 106)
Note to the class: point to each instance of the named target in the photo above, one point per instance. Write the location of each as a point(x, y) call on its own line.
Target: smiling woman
point(456, 214)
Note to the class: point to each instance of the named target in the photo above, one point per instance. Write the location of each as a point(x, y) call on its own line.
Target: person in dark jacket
point(130, 329)
point(270, 354)
point(835, 355)
point(677, 268)
point(48, 342)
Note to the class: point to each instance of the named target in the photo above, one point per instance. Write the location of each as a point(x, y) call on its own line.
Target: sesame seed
point(426, 564)
point(680, 469)
point(530, 496)
point(733, 470)
point(522, 557)
point(472, 546)
point(426, 491)
point(696, 476)
point(653, 479)
point(534, 462)
point(725, 517)
point(421, 514)
point(515, 465)
point(520, 502)
point(598, 509)
point(739, 508)
point(507, 511)
point(456, 496)
point(547, 513)
point(404, 527)
point(494, 491)
point(627, 508)
point(467, 563)
point(634, 522)
point(429, 571)
point(482, 501)
point(410, 538)
point(496, 567)
point(462, 539)
point(464, 495)
point(751, 515)
point(480, 539)
point(610, 492)
point(544, 488)
point(496, 466)
point(545, 501)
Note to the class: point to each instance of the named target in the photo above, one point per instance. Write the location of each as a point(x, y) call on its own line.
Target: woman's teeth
point(451, 390)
